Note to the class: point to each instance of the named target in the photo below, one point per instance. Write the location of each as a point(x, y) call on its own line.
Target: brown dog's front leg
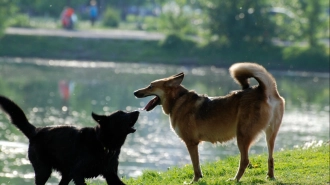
point(193, 151)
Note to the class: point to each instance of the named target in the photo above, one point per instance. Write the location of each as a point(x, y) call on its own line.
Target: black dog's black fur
point(77, 153)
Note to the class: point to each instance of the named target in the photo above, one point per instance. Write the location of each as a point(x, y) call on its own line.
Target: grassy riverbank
point(298, 166)
point(175, 51)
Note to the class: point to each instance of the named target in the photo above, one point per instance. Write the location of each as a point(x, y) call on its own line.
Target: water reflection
point(104, 87)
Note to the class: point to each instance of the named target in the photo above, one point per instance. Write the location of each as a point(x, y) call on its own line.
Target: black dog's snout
point(134, 115)
point(136, 112)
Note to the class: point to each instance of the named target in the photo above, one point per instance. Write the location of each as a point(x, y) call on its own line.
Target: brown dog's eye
point(150, 86)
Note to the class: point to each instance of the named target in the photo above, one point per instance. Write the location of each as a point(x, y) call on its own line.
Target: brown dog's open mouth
point(152, 104)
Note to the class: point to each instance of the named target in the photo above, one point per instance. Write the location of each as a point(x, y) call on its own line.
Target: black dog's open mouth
point(133, 118)
point(152, 104)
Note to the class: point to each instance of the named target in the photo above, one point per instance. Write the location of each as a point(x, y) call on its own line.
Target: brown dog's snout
point(138, 94)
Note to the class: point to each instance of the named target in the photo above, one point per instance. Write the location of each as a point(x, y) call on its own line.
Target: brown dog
point(242, 114)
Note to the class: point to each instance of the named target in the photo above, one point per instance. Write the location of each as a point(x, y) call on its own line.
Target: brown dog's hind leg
point(193, 151)
point(243, 145)
point(245, 137)
point(270, 137)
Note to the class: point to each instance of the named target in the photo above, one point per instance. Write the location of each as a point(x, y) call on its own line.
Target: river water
point(103, 87)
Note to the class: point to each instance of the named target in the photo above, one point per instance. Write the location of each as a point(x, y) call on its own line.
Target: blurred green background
point(277, 33)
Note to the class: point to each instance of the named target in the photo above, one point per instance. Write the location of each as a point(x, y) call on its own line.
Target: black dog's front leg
point(65, 180)
point(115, 161)
point(79, 180)
point(111, 175)
point(114, 179)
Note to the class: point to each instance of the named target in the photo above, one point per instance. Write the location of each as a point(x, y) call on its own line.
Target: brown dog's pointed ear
point(179, 74)
point(96, 117)
point(175, 80)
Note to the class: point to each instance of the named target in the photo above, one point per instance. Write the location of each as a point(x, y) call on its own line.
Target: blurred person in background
point(68, 18)
point(93, 12)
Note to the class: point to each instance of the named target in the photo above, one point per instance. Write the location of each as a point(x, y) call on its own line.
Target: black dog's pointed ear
point(175, 80)
point(96, 117)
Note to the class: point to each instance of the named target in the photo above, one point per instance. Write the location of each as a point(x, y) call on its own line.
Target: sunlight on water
point(104, 87)
point(14, 144)
point(12, 155)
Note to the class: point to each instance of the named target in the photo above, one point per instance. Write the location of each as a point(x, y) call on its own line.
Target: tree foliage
point(239, 21)
point(314, 14)
point(7, 8)
point(179, 17)
point(111, 18)
point(310, 21)
point(255, 22)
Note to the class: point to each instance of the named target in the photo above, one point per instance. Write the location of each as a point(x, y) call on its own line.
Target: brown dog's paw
point(196, 179)
point(271, 178)
point(232, 179)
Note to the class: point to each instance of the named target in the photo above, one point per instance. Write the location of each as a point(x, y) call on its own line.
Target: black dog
point(77, 153)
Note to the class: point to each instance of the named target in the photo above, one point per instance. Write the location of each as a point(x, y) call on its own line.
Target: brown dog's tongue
point(152, 104)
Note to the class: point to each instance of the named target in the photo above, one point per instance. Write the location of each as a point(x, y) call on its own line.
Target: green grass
point(298, 166)
point(178, 52)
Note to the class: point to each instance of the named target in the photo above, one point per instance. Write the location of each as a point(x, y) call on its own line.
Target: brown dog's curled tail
point(241, 72)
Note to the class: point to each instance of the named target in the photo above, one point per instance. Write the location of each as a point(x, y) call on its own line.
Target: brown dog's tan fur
point(242, 114)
